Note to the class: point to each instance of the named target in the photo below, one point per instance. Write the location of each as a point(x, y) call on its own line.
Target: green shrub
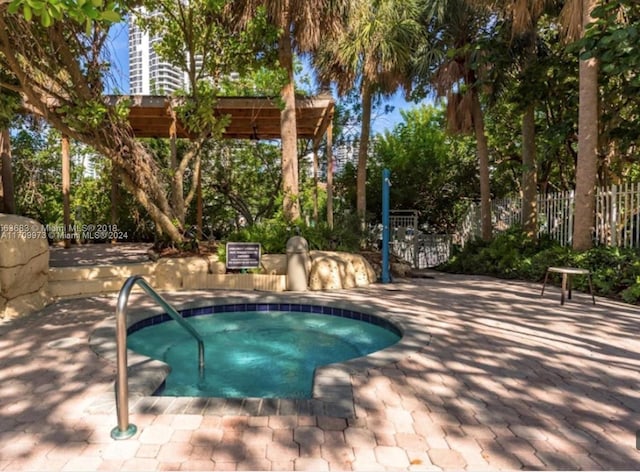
point(512, 255)
point(273, 236)
point(632, 293)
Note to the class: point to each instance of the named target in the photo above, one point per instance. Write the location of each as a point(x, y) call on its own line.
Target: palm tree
point(587, 166)
point(449, 63)
point(524, 25)
point(575, 16)
point(375, 50)
point(303, 24)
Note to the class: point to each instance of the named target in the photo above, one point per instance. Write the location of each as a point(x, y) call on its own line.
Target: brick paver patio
point(493, 377)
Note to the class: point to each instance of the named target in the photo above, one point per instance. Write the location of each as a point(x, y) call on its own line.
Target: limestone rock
point(24, 265)
point(332, 270)
point(24, 278)
point(400, 269)
point(215, 266)
point(168, 273)
point(363, 272)
point(24, 304)
point(274, 264)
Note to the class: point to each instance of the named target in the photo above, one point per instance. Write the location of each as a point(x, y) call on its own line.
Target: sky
point(119, 53)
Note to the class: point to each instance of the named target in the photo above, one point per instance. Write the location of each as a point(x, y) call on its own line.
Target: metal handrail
point(125, 430)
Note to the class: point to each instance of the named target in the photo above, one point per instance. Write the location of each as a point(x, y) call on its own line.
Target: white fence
point(617, 220)
point(617, 223)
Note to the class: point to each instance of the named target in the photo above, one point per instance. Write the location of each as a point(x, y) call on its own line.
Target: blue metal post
point(386, 183)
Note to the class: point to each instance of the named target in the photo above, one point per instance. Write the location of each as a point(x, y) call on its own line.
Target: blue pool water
point(268, 354)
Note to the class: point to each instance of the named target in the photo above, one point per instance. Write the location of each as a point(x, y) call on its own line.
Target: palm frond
point(377, 45)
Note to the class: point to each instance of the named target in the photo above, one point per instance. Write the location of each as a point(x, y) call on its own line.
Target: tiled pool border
point(332, 391)
point(270, 307)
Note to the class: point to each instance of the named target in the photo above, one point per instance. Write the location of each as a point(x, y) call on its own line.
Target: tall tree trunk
point(483, 168)
point(199, 215)
point(288, 131)
point(8, 198)
point(529, 175)
point(363, 151)
point(587, 166)
point(177, 178)
point(66, 189)
point(529, 168)
point(162, 218)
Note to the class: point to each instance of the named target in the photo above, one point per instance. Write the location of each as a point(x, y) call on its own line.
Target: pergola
point(248, 118)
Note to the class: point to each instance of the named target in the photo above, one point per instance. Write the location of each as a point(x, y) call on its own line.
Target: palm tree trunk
point(529, 176)
point(363, 150)
point(483, 168)
point(291, 205)
point(587, 166)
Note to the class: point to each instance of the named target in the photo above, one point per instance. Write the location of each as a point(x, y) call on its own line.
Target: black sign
point(243, 255)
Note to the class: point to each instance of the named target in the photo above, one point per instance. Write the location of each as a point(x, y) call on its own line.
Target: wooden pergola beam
point(249, 117)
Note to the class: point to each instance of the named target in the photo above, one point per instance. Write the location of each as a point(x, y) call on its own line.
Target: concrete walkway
point(94, 254)
point(504, 379)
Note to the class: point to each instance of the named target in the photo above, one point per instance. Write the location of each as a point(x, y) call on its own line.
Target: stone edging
point(333, 384)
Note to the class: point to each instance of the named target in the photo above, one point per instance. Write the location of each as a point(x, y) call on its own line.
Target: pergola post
point(315, 182)
point(330, 174)
point(114, 200)
point(66, 188)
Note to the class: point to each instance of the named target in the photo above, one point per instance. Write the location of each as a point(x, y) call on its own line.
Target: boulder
point(363, 272)
point(215, 266)
point(400, 269)
point(24, 266)
point(274, 264)
point(331, 270)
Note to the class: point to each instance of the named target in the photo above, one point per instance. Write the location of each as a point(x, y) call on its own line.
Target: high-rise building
point(148, 73)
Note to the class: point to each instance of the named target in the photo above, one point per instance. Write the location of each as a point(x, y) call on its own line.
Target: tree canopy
point(505, 72)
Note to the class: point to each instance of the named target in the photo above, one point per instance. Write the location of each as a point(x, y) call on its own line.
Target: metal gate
point(413, 246)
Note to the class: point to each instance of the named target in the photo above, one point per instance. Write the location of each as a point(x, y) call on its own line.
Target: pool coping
point(332, 386)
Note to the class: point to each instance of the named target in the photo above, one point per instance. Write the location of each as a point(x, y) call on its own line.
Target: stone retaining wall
point(184, 273)
point(27, 283)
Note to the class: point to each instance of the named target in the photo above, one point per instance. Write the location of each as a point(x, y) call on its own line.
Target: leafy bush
point(632, 293)
point(273, 236)
point(513, 255)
